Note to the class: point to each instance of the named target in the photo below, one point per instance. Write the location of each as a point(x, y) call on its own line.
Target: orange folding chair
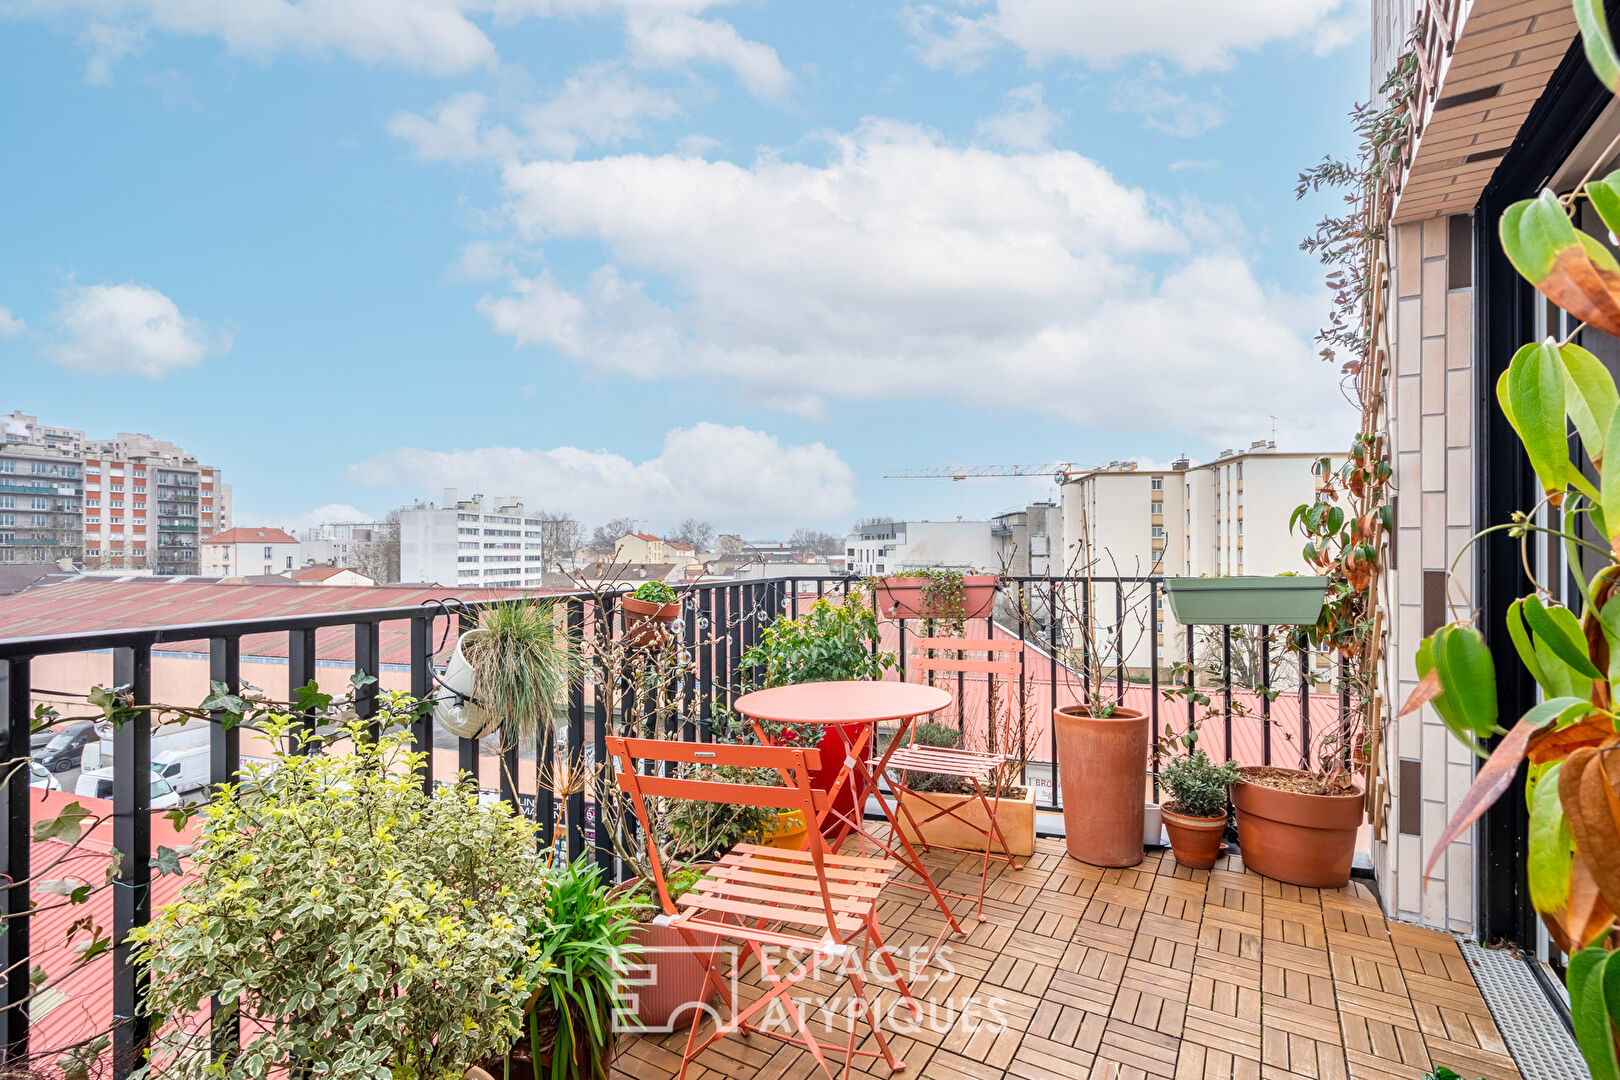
point(811, 903)
point(981, 769)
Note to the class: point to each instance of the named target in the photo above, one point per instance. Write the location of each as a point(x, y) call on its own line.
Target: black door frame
point(1504, 483)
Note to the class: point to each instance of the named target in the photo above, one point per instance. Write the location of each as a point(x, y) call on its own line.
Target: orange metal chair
point(980, 769)
point(811, 903)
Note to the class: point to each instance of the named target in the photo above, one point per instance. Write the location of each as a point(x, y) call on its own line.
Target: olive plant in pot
point(1195, 814)
point(344, 916)
point(1102, 745)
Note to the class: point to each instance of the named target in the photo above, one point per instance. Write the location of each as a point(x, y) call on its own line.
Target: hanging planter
point(1247, 601)
point(461, 716)
point(650, 614)
point(937, 595)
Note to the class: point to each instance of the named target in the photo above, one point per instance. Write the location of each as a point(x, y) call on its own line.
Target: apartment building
point(338, 543)
point(475, 541)
point(41, 492)
point(247, 552)
point(647, 548)
point(893, 547)
point(1029, 541)
point(147, 503)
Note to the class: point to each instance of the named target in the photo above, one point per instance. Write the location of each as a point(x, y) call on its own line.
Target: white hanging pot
point(462, 718)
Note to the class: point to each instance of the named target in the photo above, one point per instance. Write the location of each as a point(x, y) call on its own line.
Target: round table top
point(851, 702)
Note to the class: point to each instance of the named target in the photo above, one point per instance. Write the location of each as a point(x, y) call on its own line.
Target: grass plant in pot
point(515, 668)
point(1195, 814)
point(650, 614)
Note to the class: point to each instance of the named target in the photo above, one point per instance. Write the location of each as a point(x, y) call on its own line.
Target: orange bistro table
point(853, 710)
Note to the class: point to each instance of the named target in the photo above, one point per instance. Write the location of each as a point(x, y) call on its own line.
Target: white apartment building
point(250, 551)
point(893, 547)
point(490, 543)
point(1228, 517)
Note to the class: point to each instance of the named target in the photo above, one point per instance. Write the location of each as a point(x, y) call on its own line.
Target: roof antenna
point(1273, 429)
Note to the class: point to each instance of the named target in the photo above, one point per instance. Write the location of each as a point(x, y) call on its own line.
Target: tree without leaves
point(812, 542)
point(700, 534)
point(605, 537)
point(378, 558)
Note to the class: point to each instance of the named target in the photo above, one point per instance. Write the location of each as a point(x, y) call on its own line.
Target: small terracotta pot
point(1196, 841)
point(1102, 763)
point(647, 623)
point(1306, 840)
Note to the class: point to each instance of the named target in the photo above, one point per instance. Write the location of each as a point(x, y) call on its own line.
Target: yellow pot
point(787, 832)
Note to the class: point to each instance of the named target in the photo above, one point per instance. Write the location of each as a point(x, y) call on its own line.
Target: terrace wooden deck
point(1153, 972)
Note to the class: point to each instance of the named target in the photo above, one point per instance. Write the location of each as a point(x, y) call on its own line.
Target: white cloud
point(673, 40)
point(130, 330)
point(107, 45)
point(597, 106)
point(1165, 110)
point(1025, 123)
point(902, 265)
point(10, 325)
point(1193, 34)
point(331, 513)
point(732, 476)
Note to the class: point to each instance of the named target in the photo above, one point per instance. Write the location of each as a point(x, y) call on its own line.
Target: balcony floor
point(1153, 972)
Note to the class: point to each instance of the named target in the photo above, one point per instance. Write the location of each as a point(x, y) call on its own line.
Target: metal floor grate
point(1536, 1036)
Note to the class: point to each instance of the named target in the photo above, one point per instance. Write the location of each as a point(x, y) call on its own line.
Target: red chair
point(811, 903)
point(979, 768)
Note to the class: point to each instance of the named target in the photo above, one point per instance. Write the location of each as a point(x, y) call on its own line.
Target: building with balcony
point(147, 505)
point(41, 491)
point(893, 547)
point(1029, 541)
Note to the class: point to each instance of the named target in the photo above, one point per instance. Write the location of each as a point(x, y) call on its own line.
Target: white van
point(185, 769)
point(98, 784)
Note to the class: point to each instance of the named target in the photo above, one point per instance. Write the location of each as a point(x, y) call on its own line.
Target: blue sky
point(664, 258)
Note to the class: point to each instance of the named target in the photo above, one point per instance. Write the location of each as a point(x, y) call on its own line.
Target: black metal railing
point(722, 621)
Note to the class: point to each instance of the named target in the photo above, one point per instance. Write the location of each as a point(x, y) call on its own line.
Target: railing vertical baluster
point(1192, 683)
point(793, 600)
point(1265, 698)
point(132, 837)
point(605, 692)
point(421, 690)
point(689, 639)
point(467, 750)
point(1119, 640)
point(1085, 639)
point(300, 673)
point(1052, 678)
point(574, 745)
point(1023, 698)
point(902, 657)
point(1304, 705)
point(224, 767)
point(367, 661)
point(15, 728)
point(1226, 682)
point(706, 648)
point(1153, 678)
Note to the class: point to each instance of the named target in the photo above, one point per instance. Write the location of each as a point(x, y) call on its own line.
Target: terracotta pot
point(669, 976)
point(1102, 764)
point(901, 597)
point(1196, 841)
point(647, 623)
point(1307, 840)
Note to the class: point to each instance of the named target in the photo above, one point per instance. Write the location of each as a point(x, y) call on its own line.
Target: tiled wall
point(1430, 392)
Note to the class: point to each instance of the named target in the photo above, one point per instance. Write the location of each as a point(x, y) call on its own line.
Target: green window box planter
point(1247, 601)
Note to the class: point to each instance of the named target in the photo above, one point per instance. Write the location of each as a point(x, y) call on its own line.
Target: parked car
point(62, 751)
point(40, 777)
point(98, 784)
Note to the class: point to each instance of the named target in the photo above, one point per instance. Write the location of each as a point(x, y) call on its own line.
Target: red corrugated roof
point(85, 606)
point(317, 573)
point(251, 536)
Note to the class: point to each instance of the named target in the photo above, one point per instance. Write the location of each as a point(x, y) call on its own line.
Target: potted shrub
point(371, 948)
point(1195, 813)
point(929, 793)
point(1283, 600)
point(650, 613)
point(515, 666)
point(936, 592)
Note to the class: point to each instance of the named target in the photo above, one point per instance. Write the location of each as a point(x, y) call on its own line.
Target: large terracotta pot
point(674, 976)
point(1102, 764)
point(1196, 841)
point(647, 623)
point(1307, 840)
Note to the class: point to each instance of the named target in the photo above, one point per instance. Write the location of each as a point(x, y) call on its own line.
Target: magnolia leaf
point(1555, 744)
point(1583, 788)
point(1552, 848)
point(1594, 24)
point(1427, 689)
point(1609, 479)
point(1589, 917)
point(1571, 269)
point(1467, 702)
point(1535, 385)
point(1521, 643)
point(1590, 396)
point(1493, 778)
point(1561, 630)
point(66, 826)
point(1591, 1011)
point(1605, 197)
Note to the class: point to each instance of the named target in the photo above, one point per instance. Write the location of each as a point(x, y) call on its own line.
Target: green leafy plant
point(346, 917)
point(1569, 738)
point(575, 953)
point(1197, 785)
point(831, 641)
point(524, 660)
point(703, 830)
point(656, 592)
point(945, 736)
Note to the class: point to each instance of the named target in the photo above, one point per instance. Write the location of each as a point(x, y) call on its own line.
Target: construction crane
point(1059, 472)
